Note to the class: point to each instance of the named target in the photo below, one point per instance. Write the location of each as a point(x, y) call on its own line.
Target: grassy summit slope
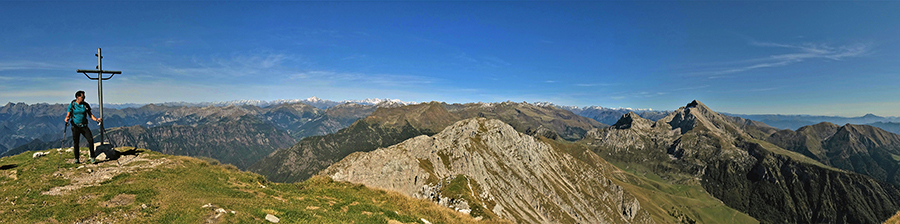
point(150, 187)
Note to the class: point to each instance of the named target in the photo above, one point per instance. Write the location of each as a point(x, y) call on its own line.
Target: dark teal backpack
point(72, 111)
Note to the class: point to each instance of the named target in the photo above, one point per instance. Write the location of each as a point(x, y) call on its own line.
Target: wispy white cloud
point(801, 52)
point(38, 93)
point(465, 57)
point(764, 89)
point(361, 79)
point(238, 65)
point(496, 62)
point(692, 88)
point(31, 65)
point(595, 84)
point(490, 61)
point(355, 57)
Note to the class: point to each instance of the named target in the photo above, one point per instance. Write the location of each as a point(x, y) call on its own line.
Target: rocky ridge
point(389, 126)
point(507, 173)
point(859, 148)
point(697, 145)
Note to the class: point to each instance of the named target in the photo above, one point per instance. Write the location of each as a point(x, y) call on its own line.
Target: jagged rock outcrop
point(497, 170)
point(725, 155)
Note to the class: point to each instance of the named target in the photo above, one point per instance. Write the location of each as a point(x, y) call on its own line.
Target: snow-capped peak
point(314, 99)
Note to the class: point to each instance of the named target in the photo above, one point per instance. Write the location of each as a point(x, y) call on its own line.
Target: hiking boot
point(92, 161)
point(77, 162)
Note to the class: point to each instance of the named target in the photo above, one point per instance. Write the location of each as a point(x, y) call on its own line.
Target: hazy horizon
point(815, 58)
point(120, 105)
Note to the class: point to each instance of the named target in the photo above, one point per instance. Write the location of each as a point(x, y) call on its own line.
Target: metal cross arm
point(85, 71)
point(99, 71)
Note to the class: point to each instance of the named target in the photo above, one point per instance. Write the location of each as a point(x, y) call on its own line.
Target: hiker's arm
point(68, 115)
point(95, 118)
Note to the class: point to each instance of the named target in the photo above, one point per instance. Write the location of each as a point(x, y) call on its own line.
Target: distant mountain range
point(312, 101)
point(793, 122)
point(38, 121)
point(389, 126)
point(239, 135)
point(533, 163)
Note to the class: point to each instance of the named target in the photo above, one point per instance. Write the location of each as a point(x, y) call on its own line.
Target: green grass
point(662, 199)
point(666, 199)
point(458, 188)
point(175, 191)
point(793, 155)
point(681, 199)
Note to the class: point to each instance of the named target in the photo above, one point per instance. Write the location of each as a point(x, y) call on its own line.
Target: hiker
point(78, 112)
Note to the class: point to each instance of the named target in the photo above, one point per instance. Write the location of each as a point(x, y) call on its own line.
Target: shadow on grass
point(10, 166)
point(131, 152)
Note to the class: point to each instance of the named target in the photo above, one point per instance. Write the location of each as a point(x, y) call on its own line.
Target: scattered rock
point(272, 218)
point(425, 221)
point(221, 210)
point(13, 175)
point(144, 206)
point(80, 180)
point(207, 205)
point(39, 154)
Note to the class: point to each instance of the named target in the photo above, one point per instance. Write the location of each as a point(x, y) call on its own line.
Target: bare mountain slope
point(486, 167)
point(389, 126)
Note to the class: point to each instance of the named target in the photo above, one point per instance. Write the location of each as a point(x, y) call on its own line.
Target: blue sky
point(822, 58)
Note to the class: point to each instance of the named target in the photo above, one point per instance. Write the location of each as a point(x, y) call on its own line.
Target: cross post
point(99, 79)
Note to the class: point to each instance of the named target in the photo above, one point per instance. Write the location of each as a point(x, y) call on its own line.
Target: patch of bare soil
point(94, 174)
point(118, 200)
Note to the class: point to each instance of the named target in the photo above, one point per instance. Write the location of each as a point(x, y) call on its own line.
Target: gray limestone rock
point(514, 175)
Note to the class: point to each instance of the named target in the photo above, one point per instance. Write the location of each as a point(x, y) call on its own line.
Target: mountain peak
point(314, 99)
point(698, 114)
point(695, 103)
point(870, 115)
point(501, 173)
point(632, 119)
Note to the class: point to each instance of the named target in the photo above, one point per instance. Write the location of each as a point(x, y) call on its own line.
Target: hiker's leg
point(75, 140)
point(90, 140)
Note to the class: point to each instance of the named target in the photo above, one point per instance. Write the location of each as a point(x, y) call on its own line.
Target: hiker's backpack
point(72, 112)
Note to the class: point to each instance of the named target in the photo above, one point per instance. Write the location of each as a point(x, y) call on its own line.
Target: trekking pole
point(61, 145)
